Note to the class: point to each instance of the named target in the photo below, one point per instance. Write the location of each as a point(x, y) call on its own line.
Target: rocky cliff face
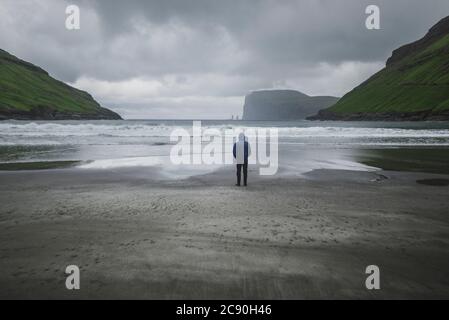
point(413, 86)
point(28, 92)
point(283, 105)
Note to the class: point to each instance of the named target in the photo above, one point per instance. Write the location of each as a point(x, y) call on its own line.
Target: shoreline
point(427, 159)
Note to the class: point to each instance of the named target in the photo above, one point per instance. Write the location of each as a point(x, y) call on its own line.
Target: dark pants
point(239, 173)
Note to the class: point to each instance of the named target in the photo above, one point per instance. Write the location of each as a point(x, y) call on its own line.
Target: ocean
point(303, 145)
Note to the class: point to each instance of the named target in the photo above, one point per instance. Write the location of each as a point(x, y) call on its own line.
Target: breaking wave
point(154, 133)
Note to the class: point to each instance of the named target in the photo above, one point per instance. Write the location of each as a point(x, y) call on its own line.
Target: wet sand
point(203, 238)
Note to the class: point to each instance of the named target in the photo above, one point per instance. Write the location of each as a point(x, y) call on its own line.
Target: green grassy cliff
point(414, 85)
point(28, 92)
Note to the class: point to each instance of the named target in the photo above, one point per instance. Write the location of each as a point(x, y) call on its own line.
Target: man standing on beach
point(241, 151)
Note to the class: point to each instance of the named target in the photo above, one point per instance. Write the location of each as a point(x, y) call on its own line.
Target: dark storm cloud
point(141, 52)
point(288, 31)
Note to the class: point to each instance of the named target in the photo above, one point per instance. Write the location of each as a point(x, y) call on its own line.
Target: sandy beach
point(203, 238)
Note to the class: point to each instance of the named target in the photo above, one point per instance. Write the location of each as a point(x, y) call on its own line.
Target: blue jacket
point(246, 148)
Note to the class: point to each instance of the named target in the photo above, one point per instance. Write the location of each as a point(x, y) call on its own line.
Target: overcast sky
point(199, 58)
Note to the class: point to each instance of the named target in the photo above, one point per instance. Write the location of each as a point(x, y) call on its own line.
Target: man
point(241, 151)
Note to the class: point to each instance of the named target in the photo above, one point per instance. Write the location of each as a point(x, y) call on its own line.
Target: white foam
point(129, 132)
point(166, 169)
point(122, 163)
point(82, 130)
point(152, 130)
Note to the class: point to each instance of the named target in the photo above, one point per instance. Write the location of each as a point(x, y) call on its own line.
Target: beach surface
point(135, 236)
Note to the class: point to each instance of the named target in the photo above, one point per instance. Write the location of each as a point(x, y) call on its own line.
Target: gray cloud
point(150, 56)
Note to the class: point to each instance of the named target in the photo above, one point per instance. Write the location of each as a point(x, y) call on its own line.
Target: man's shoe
point(237, 185)
point(245, 185)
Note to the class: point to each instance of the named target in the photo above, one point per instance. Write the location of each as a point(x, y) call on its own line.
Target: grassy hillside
point(413, 86)
point(28, 92)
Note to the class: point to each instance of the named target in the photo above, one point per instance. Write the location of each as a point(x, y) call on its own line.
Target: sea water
point(303, 145)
